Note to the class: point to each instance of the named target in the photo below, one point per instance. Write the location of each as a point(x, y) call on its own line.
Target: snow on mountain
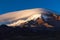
point(18, 17)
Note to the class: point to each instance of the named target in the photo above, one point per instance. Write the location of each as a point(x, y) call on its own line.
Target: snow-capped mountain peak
point(18, 17)
point(34, 17)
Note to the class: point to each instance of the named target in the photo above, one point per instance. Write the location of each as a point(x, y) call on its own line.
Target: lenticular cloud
point(18, 17)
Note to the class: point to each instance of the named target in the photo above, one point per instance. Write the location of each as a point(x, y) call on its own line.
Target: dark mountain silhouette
point(30, 31)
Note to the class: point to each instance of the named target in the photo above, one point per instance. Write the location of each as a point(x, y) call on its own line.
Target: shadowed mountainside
point(30, 31)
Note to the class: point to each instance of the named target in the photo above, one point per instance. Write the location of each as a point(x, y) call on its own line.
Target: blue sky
point(15, 5)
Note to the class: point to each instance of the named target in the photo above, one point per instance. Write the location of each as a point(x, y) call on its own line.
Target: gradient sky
point(15, 5)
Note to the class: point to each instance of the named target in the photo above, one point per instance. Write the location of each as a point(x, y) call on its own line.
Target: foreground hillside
point(40, 32)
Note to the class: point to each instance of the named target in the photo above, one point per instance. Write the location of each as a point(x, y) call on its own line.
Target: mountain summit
point(35, 23)
point(18, 17)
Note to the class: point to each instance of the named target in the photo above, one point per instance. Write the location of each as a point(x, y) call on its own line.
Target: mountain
point(18, 17)
point(30, 24)
point(40, 16)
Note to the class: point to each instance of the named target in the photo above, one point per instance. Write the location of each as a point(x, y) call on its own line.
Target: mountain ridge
point(18, 18)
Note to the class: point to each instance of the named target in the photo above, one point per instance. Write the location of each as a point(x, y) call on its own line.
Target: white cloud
point(18, 17)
